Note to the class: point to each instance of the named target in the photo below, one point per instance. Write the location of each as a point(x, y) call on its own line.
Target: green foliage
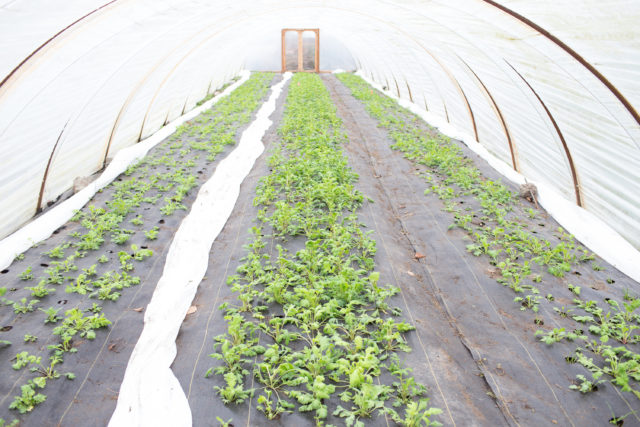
point(52, 315)
point(29, 398)
point(165, 171)
point(41, 290)
point(233, 392)
point(585, 386)
point(510, 244)
point(27, 274)
point(76, 323)
point(24, 306)
point(222, 422)
point(140, 254)
point(137, 220)
point(326, 323)
point(23, 359)
point(57, 252)
point(152, 234)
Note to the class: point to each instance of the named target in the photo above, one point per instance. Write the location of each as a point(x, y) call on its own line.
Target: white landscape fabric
point(150, 394)
point(43, 226)
point(586, 227)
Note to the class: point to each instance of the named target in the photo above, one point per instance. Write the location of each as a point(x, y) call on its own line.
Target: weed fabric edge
point(150, 393)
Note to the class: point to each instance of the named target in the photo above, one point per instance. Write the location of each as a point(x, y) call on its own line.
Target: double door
point(301, 50)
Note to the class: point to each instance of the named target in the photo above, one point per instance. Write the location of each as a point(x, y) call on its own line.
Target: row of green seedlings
point(511, 247)
point(315, 324)
point(213, 130)
point(618, 324)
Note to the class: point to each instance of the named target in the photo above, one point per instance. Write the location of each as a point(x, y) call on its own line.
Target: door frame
point(300, 50)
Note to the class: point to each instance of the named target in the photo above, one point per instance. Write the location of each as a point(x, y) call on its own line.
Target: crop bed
point(72, 306)
point(373, 272)
point(583, 312)
point(475, 347)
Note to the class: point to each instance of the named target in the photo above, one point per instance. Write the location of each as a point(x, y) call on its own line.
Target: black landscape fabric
point(473, 348)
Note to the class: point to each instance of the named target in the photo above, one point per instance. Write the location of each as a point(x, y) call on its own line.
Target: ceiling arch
point(528, 85)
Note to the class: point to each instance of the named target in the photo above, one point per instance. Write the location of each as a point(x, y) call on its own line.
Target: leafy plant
point(585, 386)
point(23, 306)
point(52, 315)
point(30, 397)
point(30, 338)
point(328, 323)
point(57, 252)
point(152, 234)
point(27, 274)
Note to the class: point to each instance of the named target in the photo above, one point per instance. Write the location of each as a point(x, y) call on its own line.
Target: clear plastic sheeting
point(550, 89)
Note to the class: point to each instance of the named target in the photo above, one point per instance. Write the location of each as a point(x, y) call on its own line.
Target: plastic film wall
point(552, 89)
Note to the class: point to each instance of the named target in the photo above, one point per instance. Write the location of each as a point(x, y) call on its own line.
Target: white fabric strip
point(594, 233)
point(150, 394)
point(43, 226)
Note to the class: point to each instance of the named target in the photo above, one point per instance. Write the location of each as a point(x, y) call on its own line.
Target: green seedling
point(41, 290)
point(222, 422)
point(140, 254)
point(30, 338)
point(152, 234)
point(23, 306)
point(57, 252)
point(584, 385)
point(328, 322)
point(30, 397)
point(26, 275)
point(52, 315)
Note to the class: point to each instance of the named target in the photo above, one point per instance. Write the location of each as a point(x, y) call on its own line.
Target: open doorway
point(301, 50)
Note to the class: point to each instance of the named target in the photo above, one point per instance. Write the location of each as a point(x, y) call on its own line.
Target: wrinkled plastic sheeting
point(127, 68)
point(43, 226)
point(150, 393)
point(585, 226)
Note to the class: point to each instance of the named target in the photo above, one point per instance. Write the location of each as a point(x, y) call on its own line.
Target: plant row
point(493, 220)
point(313, 325)
point(102, 236)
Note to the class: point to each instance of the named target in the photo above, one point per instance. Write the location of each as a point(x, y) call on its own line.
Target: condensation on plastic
point(127, 68)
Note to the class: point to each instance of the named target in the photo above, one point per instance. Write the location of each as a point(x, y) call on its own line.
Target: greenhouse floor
point(474, 348)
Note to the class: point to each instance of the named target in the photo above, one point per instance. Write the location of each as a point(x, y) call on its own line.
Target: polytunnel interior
point(529, 92)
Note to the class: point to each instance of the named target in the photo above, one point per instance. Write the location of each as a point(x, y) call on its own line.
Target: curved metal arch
point(572, 168)
point(166, 78)
point(460, 90)
point(488, 1)
point(141, 82)
point(170, 73)
point(501, 119)
point(409, 90)
point(46, 169)
point(51, 39)
point(70, 122)
point(506, 10)
point(575, 55)
point(541, 53)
